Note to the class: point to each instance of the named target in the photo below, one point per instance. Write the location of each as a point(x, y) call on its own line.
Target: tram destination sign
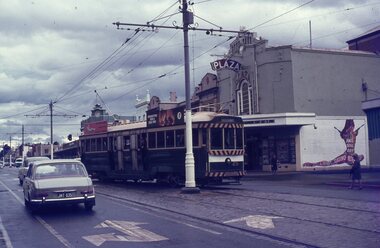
point(164, 118)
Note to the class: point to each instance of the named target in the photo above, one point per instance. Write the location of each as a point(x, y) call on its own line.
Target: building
point(141, 106)
point(302, 104)
point(369, 41)
point(42, 150)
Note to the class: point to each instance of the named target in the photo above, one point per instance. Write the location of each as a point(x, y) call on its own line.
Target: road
point(312, 211)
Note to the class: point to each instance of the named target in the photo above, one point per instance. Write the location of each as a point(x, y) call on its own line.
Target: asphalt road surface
point(303, 211)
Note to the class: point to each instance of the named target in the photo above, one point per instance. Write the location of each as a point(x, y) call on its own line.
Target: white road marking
point(132, 233)
point(39, 219)
point(119, 202)
point(257, 221)
point(8, 243)
point(203, 229)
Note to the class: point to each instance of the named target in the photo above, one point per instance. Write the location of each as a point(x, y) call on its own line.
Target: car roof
point(36, 158)
point(56, 161)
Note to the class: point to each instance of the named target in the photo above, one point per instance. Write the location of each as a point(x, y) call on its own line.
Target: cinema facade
point(302, 104)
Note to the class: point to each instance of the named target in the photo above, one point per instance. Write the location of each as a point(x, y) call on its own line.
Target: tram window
point(169, 138)
point(88, 147)
point(180, 138)
point(160, 139)
point(216, 138)
point(111, 143)
point(115, 144)
point(152, 140)
point(127, 142)
point(195, 137)
point(104, 148)
point(98, 144)
point(239, 138)
point(229, 138)
point(93, 145)
point(204, 137)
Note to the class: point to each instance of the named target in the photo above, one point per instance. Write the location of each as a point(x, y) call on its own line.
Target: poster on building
point(95, 127)
point(332, 143)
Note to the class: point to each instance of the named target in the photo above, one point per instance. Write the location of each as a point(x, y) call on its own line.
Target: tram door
point(134, 148)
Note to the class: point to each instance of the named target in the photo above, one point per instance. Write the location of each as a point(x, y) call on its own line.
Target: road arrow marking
point(131, 233)
point(257, 221)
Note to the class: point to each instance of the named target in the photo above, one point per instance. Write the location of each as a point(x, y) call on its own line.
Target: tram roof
point(133, 125)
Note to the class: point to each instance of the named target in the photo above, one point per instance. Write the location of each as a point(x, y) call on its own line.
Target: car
point(58, 182)
point(24, 168)
point(18, 162)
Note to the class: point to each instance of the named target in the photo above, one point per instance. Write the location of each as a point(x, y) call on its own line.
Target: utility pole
point(22, 138)
point(187, 18)
point(51, 124)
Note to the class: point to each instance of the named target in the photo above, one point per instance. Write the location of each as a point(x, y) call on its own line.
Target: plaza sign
point(225, 64)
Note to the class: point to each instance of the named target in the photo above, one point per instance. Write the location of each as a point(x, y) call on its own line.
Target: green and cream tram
point(156, 149)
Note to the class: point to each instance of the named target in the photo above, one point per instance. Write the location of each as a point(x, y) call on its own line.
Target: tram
point(155, 149)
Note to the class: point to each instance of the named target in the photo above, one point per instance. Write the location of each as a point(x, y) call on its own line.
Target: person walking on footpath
point(274, 163)
point(356, 172)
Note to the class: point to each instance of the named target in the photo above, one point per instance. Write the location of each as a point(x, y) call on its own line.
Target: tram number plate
point(65, 195)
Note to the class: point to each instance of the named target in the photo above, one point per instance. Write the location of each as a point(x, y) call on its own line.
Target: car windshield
point(59, 170)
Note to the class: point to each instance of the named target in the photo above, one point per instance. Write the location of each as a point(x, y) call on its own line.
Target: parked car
point(60, 181)
point(24, 168)
point(18, 162)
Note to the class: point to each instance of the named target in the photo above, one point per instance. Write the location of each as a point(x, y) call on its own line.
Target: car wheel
point(88, 206)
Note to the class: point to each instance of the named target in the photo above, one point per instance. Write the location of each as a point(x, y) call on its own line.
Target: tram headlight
point(228, 161)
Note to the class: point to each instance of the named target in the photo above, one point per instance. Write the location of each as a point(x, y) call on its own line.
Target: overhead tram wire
point(22, 113)
point(287, 12)
point(91, 72)
point(335, 33)
point(321, 15)
point(141, 43)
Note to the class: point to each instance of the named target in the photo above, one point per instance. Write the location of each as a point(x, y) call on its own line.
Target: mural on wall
point(348, 134)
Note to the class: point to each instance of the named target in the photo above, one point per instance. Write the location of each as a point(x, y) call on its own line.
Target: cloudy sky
point(64, 50)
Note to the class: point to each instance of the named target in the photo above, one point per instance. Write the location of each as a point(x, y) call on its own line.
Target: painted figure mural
point(348, 134)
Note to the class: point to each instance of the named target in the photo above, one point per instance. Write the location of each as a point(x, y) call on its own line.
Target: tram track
point(159, 209)
point(210, 205)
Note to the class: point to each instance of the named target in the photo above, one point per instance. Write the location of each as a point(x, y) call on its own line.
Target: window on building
point(244, 96)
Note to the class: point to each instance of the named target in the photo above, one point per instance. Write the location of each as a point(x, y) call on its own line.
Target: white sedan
point(61, 181)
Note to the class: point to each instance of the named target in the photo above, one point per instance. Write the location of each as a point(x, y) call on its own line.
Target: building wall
point(369, 43)
point(322, 143)
point(275, 81)
point(330, 83)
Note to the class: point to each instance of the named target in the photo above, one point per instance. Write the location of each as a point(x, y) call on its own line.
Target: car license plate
point(65, 195)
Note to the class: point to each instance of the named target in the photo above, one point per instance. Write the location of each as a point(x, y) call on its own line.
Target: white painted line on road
point(8, 243)
point(119, 202)
point(203, 229)
point(39, 219)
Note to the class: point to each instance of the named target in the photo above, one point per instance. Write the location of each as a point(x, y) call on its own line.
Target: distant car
point(18, 162)
point(24, 168)
point(60, 181)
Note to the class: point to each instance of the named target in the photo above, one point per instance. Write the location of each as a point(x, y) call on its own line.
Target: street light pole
point(190, 186)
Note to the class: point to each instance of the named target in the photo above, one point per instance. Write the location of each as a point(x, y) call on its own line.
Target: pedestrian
point(274, 164)
point(356, 172)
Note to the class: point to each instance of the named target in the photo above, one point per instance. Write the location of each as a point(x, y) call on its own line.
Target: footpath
point(370, 177)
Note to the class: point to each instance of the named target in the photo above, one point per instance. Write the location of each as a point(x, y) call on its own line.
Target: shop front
point(274, 134)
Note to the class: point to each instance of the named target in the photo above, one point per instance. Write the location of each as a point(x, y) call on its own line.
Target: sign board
point(164, 118)
point(95, 127)
point(225, 64)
